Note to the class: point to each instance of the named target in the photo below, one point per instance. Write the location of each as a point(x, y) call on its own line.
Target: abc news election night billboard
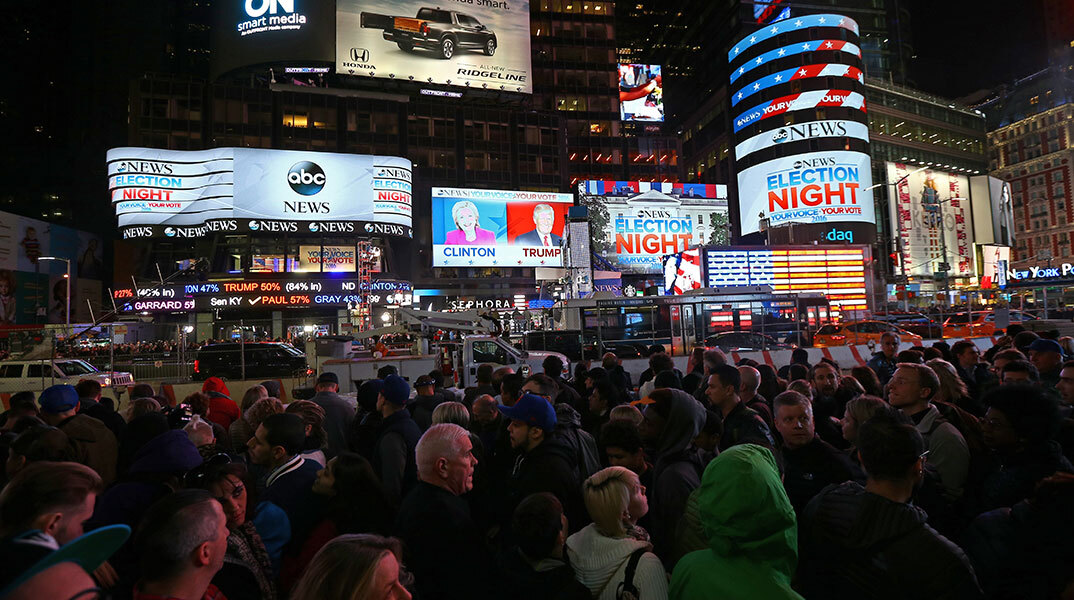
point(634, 224)
point(497, 228)
point(174, 193)
point(481, 44)
point(817, 187)
point(252, 32)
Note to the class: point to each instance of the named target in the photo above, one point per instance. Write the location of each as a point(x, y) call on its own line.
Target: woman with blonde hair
point(603, 550)
point(469, 232)
point(952, 389)
point(355, 567)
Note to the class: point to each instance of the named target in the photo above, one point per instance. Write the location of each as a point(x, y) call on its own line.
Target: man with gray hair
point(181, 541)
point(442, 540)
point(544, 219)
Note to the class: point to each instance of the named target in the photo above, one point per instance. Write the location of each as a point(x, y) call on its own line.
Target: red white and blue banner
point(799, 101)
point(793, 49)
point(803, 22)
point(806, 72)
point(831, 128)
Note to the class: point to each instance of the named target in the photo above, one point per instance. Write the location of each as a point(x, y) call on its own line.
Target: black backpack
point(627, 590)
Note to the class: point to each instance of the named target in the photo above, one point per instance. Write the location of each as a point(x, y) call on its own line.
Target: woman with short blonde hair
point(601, 552)
point(347, 568)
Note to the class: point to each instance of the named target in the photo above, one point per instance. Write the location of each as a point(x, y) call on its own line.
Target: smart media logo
point(270, 15)
point(306, 178)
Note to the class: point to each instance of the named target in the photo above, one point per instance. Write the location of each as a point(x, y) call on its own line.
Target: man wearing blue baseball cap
point(94, 444)
point(1047, 356)
point(545, 464)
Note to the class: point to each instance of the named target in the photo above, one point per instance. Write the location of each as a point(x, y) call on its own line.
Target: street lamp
point(67, 276)
point(899, 242)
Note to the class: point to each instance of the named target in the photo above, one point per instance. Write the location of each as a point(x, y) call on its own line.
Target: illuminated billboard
point(931, 212)
point(330, 259)
point(838, 273)
point(633, 224)
point(257, 32)
point(498, 228)
point(483, 45)
point(174, 193)
point(641, 93)
point(817, 187)
point(682, 272)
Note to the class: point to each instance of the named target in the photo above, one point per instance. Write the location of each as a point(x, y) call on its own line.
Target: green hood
point(745, 511)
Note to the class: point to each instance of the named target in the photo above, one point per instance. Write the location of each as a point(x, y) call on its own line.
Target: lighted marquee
point(838, 273)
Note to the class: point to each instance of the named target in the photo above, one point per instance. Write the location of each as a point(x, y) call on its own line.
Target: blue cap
point(58, 399)
point(533, 410)
point(396, 390)
point(1043, 345)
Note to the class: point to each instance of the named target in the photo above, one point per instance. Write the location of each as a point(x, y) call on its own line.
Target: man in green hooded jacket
point(751, 530)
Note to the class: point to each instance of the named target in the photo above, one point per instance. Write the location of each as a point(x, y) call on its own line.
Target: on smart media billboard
point(816, 187)
point(253, 32)
point(641, 93)
point(483, 45)
point(174, 193)
point(498, 228)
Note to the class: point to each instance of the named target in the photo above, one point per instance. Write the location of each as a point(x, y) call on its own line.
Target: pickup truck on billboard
point(442, 31)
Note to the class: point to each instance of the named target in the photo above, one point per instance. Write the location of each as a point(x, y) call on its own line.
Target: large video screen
point(818, 187)
point(641, 93)
point(682, 272)
point(253, 32)
point(174, 193)
point(483, 45)
point(633, 224)
point(498, 228)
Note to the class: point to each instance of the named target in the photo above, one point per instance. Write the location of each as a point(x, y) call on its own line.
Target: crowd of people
point(929, 472)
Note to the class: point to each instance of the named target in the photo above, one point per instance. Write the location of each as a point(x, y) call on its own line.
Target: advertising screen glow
point(175, 193)
point(641, 93)
point(633, 224)
point(818, 187)
point(498, 228)
point(484, 45)
point(936, 221)
point(254, 32)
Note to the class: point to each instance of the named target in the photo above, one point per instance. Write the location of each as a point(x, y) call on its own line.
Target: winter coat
point(813, 467)
point(883, 366)
point(948, 452)
point(751, 531)
point(421, 409)
point(1005, 480)
point(540, 580)
point(742, 426)
point(600, 563)
point(676, 469)
point(93, 444)
point(856, 544)
point(222, 409)
point(547, 468)
point(444, 546)
point(569, 430)
point(338, 414)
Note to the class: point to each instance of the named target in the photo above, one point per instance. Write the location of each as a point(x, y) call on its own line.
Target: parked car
point(260, 359)
point(979, 323)
point(442, 31)
point(744, 341)
point(36, 375)
point(858, 332)
point(916, 323)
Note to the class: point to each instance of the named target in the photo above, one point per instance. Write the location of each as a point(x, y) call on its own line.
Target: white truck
point(458, 359)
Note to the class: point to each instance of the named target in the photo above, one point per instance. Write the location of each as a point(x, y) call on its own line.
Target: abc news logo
point(387, 229)
point(306, 178)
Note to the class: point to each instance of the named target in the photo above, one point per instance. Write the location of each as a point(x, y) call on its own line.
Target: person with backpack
point(612, 556)
point(911, 390)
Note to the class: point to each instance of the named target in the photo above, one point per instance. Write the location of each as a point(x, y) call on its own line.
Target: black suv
point(263, 360)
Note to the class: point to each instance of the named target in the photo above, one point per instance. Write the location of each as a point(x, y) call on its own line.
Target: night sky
point(964, 46)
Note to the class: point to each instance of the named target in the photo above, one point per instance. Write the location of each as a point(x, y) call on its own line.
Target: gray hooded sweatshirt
point(677, 469)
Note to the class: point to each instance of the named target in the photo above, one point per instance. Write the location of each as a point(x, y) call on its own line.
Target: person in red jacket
point(222, 409)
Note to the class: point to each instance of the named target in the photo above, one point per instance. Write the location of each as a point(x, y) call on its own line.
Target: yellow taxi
point(978, 324)
point(858, 332)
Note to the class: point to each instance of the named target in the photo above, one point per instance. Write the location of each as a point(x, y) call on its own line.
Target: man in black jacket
point(545, 464)
point(338, 413)
point(869, 542)
point(393, 452)
point(89, 404)
point(443, 543)
point(741, 424)
point(536, 569)
point(810, 463)
point(553, 368)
